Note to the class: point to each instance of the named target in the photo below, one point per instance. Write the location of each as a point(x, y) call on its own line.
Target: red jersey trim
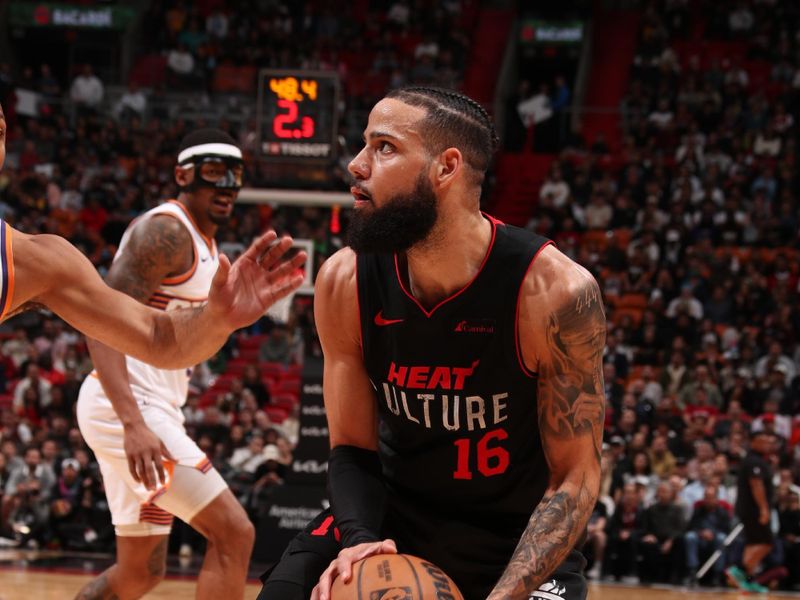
point(204, 466)
point(522, 366)
point(150, 513)
point(429, 314)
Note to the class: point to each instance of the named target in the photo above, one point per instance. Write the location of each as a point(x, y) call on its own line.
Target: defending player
point(46, 270)
point(130, 413)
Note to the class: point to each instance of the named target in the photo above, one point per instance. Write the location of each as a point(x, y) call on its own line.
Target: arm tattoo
point(552, 530)
point(571, 406)
point(97, 589)
point(571, 393)
point(159, 247)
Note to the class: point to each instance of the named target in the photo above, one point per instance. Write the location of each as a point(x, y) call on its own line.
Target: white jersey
point(186, 290)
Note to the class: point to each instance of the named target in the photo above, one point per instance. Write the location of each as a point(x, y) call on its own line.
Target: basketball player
point(46, 270)
point(463, 374)
point(754, 499)
point(130, 413)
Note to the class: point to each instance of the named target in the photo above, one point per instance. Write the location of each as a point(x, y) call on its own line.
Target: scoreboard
point(298, 114)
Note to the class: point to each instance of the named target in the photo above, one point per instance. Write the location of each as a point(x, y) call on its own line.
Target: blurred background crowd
point(686, 213)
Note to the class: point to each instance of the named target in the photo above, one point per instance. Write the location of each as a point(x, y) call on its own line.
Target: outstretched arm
point(50, 271)
point(568, 356)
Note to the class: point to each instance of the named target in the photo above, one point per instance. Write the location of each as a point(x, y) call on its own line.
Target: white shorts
point(192, 482)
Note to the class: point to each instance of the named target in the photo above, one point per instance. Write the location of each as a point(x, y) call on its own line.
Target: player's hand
point(242, 292)
point(342, 566)
point(145, 453)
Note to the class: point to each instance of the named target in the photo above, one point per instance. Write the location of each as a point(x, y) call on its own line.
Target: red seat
point(638, 301)
point(208, 398)
point(253, 341)
point(149, 71)
point(272, 368)
point(294, 369)
point(248, 354)
point(276, 414)
point(285, 400)
point(288, 385)
point(237, 366)
point(269, 382)
point(232, 78)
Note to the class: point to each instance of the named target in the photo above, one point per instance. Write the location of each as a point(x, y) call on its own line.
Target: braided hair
point(453, 120)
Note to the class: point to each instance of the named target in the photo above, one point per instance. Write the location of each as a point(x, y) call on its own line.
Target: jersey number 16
point(490, 461)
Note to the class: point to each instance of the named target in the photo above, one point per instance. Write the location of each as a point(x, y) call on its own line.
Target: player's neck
point(201, 220)
point(452, 258)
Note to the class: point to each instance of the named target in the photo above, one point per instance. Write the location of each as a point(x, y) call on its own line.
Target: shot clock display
point(297, 114)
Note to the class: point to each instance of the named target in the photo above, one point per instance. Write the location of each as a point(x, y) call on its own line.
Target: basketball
point(396, 577)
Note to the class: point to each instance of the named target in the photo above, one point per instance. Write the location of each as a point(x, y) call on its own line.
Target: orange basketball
point(396, 577)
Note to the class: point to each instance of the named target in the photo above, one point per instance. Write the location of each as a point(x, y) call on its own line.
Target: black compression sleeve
point(357, 493)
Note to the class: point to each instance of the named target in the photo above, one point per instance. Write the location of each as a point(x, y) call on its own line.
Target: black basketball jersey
point(458, 429)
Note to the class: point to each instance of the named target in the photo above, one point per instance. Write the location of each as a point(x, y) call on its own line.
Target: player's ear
point(183, 176)
point(448, 166)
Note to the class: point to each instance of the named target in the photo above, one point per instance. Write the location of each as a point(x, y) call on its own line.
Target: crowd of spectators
point(51, 492)
point(690, 224)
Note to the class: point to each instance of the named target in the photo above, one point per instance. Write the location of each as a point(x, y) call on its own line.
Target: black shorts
point(313, 549)
point(755, 533)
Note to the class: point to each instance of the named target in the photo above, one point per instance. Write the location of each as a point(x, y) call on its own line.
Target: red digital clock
point(297, 114)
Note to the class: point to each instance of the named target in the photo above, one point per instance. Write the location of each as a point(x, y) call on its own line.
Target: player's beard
point(405, 220)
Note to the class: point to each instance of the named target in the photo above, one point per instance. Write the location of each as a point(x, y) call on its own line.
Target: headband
point(217, 149)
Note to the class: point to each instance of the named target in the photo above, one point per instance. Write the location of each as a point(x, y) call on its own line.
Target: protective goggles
point(218, 167)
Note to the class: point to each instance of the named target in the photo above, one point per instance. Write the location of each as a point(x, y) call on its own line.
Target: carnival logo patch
point(486, 326)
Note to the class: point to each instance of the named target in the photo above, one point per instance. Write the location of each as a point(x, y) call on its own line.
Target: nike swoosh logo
point(381, 322)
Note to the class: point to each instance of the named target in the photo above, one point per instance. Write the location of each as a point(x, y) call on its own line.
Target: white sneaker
point(185, 551)
point(594, 572)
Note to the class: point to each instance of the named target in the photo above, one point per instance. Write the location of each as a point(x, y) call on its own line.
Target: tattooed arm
point(49, 271)
point(562, 333)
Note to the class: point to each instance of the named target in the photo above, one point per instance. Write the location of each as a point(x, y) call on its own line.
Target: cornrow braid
point(453, 121)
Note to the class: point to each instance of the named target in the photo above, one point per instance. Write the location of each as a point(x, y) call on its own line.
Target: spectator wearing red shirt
point(701, 411)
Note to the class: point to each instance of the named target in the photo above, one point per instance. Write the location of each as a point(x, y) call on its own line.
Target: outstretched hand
point(241, 293)
point(342, 566)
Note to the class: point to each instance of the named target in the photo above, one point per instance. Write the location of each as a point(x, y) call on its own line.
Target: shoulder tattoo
point(572, 398)
point(158, 248)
